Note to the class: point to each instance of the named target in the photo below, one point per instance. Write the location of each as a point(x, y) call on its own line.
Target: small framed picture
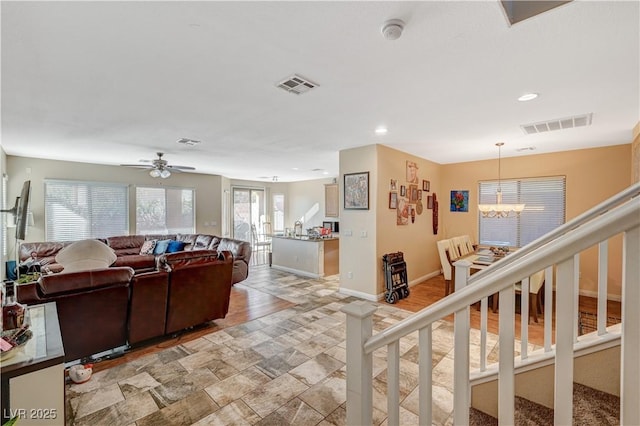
point(419, 194)
point(393, 185)
point(393, 200)
point(413, 193)
point(429, 201)
point(426, 185)
point(403, 190)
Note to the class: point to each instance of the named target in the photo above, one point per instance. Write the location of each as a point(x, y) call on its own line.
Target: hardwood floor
point(432, 290)
point(247, 304)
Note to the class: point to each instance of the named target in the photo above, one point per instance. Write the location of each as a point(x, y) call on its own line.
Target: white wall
point(306, 203)
point(358, 262)
point(208, 188)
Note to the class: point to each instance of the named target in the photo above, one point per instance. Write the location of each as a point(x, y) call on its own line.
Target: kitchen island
point(311, 257)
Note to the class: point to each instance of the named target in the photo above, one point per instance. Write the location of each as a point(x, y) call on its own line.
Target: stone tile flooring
point(284, 368)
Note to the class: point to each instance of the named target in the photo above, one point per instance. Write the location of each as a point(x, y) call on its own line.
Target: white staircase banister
point(610, 223)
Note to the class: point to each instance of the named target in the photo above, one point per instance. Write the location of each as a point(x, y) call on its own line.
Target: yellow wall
point(592, 175)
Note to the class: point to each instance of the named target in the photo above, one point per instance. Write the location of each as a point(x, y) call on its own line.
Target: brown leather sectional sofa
point(127, 249)
point(139, 297)
point(113, 307)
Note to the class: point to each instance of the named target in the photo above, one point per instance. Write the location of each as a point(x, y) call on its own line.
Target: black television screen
point(23, 211)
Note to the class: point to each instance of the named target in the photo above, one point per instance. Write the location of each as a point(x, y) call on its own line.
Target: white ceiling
point(115, 82)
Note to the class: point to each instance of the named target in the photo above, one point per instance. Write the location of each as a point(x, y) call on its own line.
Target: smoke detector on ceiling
point(392, 29)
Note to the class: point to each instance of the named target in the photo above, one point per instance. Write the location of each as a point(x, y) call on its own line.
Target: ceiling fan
point(159, 167)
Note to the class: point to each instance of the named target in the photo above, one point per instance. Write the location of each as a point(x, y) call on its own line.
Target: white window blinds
point(544, 200)
point(165, 210)
point(81, 210)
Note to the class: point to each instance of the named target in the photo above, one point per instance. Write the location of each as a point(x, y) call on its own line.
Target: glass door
point(248, 210)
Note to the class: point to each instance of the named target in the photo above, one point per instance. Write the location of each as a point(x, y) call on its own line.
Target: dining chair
point(536, 287)
point(261, 243)
point(445, 261)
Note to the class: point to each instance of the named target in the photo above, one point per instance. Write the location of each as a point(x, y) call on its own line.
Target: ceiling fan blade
point(140, 166)
point(180, 167)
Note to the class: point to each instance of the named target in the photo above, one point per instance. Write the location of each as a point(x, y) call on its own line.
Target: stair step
point(590, 407)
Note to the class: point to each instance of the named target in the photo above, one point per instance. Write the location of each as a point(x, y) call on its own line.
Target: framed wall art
point(393, 200)
point(403, 191)
point(356, 191)
point(412, 172)
point(429, 201)
point(459, 201)
point(426, 185)
point(413, 194)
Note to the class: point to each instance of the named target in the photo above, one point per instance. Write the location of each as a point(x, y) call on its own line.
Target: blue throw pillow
point(161, 246)
point(175, 246)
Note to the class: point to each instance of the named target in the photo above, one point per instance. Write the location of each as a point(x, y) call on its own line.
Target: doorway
point(248, 209)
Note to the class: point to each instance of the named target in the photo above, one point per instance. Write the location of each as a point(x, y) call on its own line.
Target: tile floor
point(284, 368)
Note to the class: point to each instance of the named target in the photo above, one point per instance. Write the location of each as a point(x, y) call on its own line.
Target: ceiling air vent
point(186, 141)
point(559, 124)
point(296, 84)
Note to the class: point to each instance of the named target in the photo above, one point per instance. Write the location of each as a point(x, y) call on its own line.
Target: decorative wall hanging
point(356, 191)
point(413, 194)
point(429, 201)
point(419, 207)
point(459, 201)
point(393, 200)
point(402, 211)
point(412, 172)
point(435, 214)
point(393, 185)
point(403, 191)
point(426, 185)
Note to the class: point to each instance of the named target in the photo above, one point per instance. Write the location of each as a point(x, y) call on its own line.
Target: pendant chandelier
point(499, 209)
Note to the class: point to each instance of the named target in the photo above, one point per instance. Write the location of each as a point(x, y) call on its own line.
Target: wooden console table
point(33, 380)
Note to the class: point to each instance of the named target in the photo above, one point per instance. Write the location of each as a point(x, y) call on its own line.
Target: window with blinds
point(165, 210)
point(544, 210)
point(81, 210)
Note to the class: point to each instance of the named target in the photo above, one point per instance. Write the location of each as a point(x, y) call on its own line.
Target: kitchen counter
point(312, 257)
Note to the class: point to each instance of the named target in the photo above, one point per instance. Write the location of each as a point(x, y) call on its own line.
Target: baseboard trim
point(296, 271)
point(358, 294)
point(594, 294)
point(380, 296)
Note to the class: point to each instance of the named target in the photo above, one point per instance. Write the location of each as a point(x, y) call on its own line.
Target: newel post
point(359, 364)
point(461, 325)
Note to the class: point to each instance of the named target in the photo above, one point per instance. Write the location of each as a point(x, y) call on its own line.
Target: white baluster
point(425, 364)
point(603, 269)
point(630, 347)
point(393, 383)
point(576, 293)
point(548, 307)
point(359, 364)
point(524, 318)
point(506, 381)
point(565, 314)
point(483, 333)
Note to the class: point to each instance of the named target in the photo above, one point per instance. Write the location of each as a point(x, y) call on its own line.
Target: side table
point(33, 380)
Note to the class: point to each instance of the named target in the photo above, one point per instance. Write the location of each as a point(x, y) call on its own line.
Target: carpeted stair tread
point(590, 407)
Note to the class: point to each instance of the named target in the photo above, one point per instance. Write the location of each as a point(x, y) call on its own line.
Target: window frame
point(537, 195)
point(90, 185)
point(165, 188)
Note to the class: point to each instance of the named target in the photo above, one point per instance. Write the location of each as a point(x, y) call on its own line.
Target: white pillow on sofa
point(85, 255)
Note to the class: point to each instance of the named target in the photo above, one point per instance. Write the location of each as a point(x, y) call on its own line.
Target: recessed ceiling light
point(381, 131)
point(528, 97)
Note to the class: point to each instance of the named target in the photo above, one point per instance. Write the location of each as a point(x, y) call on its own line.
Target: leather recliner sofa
point(127, 249)
point(104, 309)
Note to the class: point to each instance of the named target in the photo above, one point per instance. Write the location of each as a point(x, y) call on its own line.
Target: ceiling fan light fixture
point(154, 173)
point(165, 174)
